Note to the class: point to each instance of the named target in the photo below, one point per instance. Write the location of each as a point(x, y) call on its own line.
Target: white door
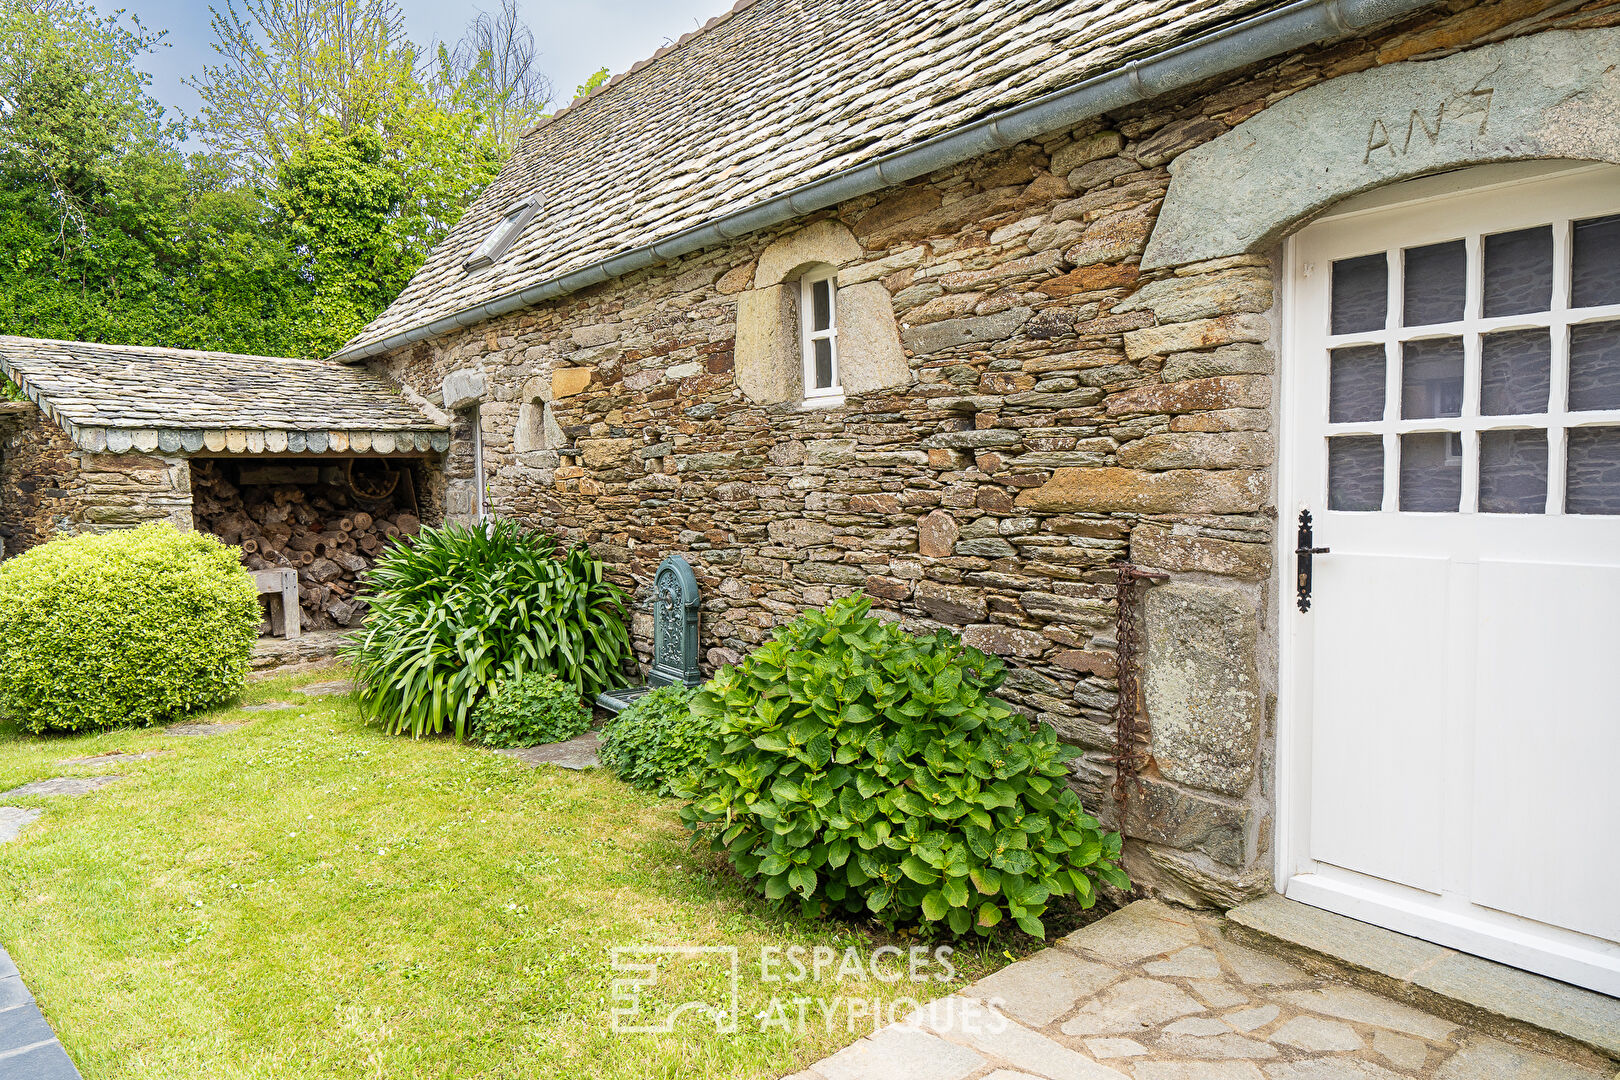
point(1452, 695)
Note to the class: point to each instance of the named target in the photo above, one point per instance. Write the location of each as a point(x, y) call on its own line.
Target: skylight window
point(502, 235)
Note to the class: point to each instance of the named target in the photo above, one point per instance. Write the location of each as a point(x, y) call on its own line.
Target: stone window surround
point(770, 353)
point(1243, 191)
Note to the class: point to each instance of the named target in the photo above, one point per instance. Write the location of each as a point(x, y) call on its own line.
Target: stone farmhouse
point(1246, 373)
point(283, 456)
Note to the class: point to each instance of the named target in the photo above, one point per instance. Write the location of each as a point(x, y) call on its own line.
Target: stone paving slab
point(579, 752)
point(112, 757)
point(29, 1049)
point(13, 819)
point(1153, 992)
point(47, 1061)
point(1430, 976)
point(201, 730)
point(267, 706)
point(329, 688)
point(61, 785)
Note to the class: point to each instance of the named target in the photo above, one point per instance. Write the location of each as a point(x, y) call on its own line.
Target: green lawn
point(309, 897)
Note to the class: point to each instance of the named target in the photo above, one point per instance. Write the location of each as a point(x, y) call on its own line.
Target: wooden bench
point(281, 586)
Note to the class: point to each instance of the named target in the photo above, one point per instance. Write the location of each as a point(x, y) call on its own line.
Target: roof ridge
point(639, 65)
point(165, 349)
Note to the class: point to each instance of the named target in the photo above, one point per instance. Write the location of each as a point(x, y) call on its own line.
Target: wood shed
point(308, 465)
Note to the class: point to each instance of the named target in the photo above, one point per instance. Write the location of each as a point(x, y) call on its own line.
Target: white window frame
point(809, 336)
point(502, 236)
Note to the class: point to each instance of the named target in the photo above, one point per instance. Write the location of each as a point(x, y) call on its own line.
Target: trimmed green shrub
point(657, 739)
point(531, 709)
point(128, 627)
point(860, 769)
point(456, 611)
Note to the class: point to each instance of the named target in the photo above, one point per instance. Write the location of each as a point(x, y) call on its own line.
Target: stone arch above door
point(1550, 95)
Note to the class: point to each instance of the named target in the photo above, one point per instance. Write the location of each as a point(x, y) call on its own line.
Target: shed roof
point(131, 397)
point(771, 96)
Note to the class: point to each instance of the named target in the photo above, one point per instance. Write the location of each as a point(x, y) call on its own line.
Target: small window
point(818, 316)
point(502, 235)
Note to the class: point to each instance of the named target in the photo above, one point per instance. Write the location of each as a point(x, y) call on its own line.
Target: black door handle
point(1304, 552)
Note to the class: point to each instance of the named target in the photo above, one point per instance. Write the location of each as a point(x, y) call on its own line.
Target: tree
point(497, 66)
point(336, 163)
point(340, 203)
point(292, 69)
point(71, 104)
point(598, 77)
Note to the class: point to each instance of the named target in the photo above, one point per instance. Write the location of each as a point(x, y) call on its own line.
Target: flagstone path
point(577, 753)
point(201, 730)
point(1153, 992)
point(29, 1049)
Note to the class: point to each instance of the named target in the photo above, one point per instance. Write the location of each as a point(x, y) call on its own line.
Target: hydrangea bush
point(857, 768)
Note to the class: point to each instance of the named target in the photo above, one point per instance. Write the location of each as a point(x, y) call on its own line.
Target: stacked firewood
point(320, 528)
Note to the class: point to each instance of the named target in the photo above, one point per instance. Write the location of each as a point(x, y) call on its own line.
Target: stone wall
point(50, 488)
point(1066, 411)
point(39, 482)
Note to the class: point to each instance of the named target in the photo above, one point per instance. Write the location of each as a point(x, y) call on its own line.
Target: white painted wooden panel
point(1379, 715)
point(1449, 730)
point(1546, 800)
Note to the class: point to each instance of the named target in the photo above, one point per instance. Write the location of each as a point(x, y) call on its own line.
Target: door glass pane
point(824, 378)
point(1360, 294)
point(1594, 366)
point(1431, 472)
point(1431, 378)
point(1436, 283)
point(1513, 472)
point(1518, 272)
point(1597, 262)
point(1594, 471)
point(1517, 368)
point(821, 294)
point(1356, 393)
point(1356, 472)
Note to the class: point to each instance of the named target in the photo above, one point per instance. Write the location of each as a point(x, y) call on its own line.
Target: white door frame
point(1294, 873)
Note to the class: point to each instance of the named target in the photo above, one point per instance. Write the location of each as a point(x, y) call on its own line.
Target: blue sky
point(574, 38)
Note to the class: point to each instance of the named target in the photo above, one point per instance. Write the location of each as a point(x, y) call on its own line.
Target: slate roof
point(125, 397)
point(767, 97)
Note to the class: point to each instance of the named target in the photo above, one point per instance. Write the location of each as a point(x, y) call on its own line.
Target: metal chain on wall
point(1130, 727)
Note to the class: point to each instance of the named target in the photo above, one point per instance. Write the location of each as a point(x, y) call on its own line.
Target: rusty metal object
point(1130, 727)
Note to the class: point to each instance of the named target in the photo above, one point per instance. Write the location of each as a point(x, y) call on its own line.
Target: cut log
point(250, 546)
point(362, 522)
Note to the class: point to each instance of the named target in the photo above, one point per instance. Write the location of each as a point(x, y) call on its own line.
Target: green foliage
point(531, 709)
point(340, 155)
point(861, 769)
point(598, 77)
point(107, 231)
point(10, 391)
point(655, 741)
point(123, 628)
point(457, 611)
